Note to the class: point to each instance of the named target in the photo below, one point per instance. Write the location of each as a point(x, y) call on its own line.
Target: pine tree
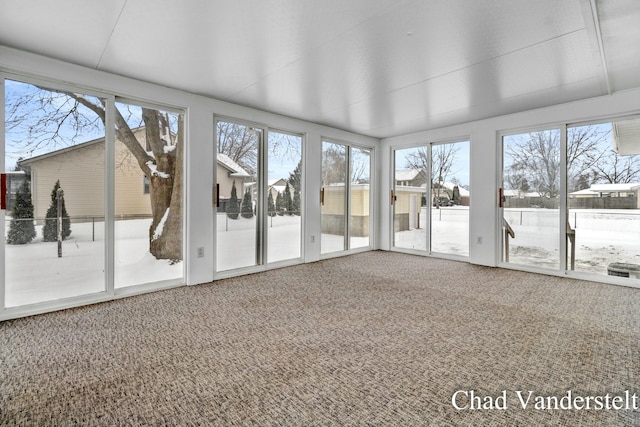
point(456, 195)
point(21, 228)
point(234, 205)
point(295, 180)
point(288, 201)
point(50, 229)
point(271, 206)
point(247, 206)
point(279, 204)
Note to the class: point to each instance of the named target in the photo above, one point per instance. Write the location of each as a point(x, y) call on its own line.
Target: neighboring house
point(229, 171)
point(607, 196)
point(333, 209)
point(464, 193)
point(80, 170)
point(277, 186)
point(410, 177)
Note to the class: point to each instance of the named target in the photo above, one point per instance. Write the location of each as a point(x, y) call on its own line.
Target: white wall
point(485, 151)
point(199, 172)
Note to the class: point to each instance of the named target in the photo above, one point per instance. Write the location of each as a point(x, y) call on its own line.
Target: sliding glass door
point(259, 186)
point(531, 198)
point(359, 201)
point(431, 198)
point(603, 185)
point(345, 210)
point(450, 198)
point(570, 198)
point(284, 196)
point(409, 198)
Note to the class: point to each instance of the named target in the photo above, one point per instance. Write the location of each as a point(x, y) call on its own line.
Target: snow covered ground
point(34, 273)
point(602, 237)
point(449, 232)
point(236, 240)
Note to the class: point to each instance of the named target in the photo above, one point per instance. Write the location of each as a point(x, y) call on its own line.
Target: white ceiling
point(377, 67)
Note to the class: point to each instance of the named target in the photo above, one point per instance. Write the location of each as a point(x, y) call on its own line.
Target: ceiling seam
point(106, 45)
point(603, 57)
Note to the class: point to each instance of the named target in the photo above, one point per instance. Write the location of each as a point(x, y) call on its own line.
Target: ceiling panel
point(76, 31)
point(377, 67)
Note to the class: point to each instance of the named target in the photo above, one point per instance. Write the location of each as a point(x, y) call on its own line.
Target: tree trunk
point(165, 233)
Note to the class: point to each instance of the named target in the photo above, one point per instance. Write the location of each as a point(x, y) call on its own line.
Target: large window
point(80, 221)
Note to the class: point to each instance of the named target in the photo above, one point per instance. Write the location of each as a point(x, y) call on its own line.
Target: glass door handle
point(3, 191)
point(216, 194)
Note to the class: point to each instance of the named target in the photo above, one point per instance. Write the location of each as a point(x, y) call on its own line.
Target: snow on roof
point(236, 169)
point(275, 181)
point(449, 186)
point(586, 191)
point(605, 188)
point(407, 174)
point(279, 188)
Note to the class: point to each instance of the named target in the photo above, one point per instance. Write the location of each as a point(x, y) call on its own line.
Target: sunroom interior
point(196, 141)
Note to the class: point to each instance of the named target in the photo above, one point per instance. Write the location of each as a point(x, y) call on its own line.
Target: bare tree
point(443, 157)
point(360, 166)
point(538, 155)
point(442, 160)
point(615, 169)
point(585, 148)
point(534, 160)
point(334, 167)
point(240, 143)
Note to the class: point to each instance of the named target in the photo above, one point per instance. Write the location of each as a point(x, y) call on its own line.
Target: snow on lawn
point(449, 232)
point(236, 240)
point(34, 273)
point(602, 236)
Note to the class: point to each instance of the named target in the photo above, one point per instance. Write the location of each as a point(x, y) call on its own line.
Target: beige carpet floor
point(376, 338)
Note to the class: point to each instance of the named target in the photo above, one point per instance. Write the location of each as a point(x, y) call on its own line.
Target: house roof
point(233, 167)
point(407, 174)
point(449, 186)
point(604, 188)
point(584, 192)
point(27, 162)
